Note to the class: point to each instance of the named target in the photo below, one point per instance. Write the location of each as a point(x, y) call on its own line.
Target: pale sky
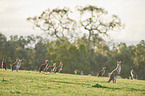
point(13, 14)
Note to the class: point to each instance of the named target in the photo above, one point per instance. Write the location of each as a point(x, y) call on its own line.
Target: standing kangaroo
point(43, 66)
point(133, 75)
point(51, 68)
point(113, 75)
point(59, 68)
point(102, 72)
point(16, 65)
point(4, 65)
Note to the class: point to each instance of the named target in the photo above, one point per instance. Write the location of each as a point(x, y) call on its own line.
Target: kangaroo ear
point(118, 61)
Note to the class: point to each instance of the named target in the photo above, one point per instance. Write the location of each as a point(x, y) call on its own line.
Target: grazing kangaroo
point(113, 75)
point(59, 68)
point(4, 65)
point(16, 65)
point(102, 72)
point(43, 66)
point(51, 68)
point(133, 75)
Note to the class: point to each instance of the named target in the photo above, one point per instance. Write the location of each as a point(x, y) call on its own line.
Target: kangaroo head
point(118, 62)
point(60, 62)
point(54, 64)
point(20, 59)
point(46, 61)
point(104, 68)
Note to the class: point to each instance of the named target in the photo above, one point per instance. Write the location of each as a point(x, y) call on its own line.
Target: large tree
point(56, 22)
point(97, 22)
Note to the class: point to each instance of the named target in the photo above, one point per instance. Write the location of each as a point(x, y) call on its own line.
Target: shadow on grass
point(100, 86)
point(4, 80)
point(70, 82)
point(129, 89)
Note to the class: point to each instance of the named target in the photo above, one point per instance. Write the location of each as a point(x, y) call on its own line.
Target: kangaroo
point(102, 72)
point(4, 65)
point(133, 75)
point(59, 68)
point(16, 65)
point(43, 66)
point(51, 68)
point(113, 75)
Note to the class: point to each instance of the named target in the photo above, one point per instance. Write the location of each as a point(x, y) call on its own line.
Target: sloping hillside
point(52, 84)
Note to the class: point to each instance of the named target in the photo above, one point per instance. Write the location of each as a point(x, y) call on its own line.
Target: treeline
point(77, 42)
point(76, 56)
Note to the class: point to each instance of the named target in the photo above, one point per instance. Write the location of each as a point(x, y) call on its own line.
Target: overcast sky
point(13, 14)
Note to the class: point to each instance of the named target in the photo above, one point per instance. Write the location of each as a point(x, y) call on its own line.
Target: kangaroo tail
point(40, 69)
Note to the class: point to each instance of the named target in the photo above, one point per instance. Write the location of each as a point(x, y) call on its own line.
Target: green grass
point(28, 83)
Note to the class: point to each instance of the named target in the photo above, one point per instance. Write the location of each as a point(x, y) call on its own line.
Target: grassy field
point(50, 84)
